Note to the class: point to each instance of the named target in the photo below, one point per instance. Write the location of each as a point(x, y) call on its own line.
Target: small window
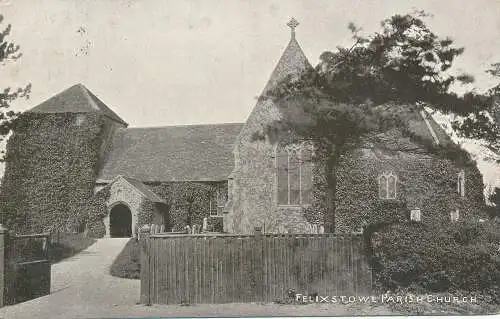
point(454, 215)
point(415, 215)
point(217, 203)
point(387, 185)
point(79, 119)
point(382, 186)
point(461, 183)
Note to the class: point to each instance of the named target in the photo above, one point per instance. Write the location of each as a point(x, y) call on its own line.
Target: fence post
point(145, 275)
point(3, 261)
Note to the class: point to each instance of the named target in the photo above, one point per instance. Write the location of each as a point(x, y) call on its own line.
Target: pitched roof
point(292, 63)
point(418, 122)
point(410, 118)
point(141, 188)
point(76, 99)
point(172, 153)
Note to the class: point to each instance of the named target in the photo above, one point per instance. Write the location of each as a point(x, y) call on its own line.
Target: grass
point(68, 244)
point(128, 262)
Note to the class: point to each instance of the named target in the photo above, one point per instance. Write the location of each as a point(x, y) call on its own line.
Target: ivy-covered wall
point(51, 164)
point(423, 181)
point(189, 202)
point(426, 179)
point(52, 159)
point(254, 181)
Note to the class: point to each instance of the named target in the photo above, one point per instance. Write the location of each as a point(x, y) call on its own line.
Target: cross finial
point(293, 24)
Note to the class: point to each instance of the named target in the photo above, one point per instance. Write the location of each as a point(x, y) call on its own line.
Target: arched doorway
point(120, 221)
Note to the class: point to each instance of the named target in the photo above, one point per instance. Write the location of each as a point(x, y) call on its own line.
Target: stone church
point(250, 183)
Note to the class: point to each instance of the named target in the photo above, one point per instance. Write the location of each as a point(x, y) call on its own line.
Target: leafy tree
point(495, 71)
point(336, 105)
point(495, 199)
point(484, 122)
point(404, 62)
point(9, 52)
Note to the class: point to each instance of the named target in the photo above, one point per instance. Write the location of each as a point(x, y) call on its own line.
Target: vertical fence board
point(345, 267)
point(354, 268)
point(202, 270)
point(145, 273)
point(211, 270)
point(168, 273)
point(232, 244)
point(160, 281)
point(166, 284)
point(152, 271)
point(333, 263)
point(194, 273)
point(177, 275)
point(158, 270)
point(218, 271)
point(280, 266)
point(221, 269)
point(190, 270)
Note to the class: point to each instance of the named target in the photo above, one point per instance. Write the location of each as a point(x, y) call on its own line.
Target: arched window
point(391, 186)
point(382, 186)
point(387, 186)
point(294, 174)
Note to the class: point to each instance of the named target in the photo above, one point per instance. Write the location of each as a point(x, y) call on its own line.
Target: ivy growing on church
point(188, 202)
point(96, 211)
point(51, 163)
point(426, 180)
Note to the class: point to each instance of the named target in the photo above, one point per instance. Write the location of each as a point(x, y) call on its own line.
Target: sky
point(204, 61)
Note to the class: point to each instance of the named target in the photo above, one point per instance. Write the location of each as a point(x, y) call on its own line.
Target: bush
point(460, 256)
point(65, 245)
point(96, 229)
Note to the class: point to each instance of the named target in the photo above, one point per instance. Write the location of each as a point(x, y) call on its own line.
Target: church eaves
point(292, 63)
point(76, 99)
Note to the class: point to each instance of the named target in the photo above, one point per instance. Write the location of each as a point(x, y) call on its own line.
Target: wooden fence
point(201, 268)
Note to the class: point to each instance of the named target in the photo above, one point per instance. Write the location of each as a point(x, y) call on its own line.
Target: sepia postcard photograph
point(249, 158)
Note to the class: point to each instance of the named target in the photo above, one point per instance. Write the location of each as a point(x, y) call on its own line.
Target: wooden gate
point(26, 267)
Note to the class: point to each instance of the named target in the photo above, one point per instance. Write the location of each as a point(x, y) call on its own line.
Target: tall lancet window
point(387, 186)
point(461, 183)
point(294, 174)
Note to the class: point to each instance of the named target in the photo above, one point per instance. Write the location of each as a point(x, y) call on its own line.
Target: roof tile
point(76, 99)
point(172, 153)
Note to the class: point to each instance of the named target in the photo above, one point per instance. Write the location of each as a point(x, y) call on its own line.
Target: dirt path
point(83, 288)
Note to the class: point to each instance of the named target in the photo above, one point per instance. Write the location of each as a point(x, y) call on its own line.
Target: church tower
point(253, 185)
point(52, 159)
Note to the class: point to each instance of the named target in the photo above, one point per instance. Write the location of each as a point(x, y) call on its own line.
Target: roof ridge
point(101, 106)
point(292, 44)
point(156, 197)
point(88, 96)
point(184, 125)
point(76, 99)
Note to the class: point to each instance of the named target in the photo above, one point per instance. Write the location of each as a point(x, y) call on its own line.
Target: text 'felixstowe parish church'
point(74, 148)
